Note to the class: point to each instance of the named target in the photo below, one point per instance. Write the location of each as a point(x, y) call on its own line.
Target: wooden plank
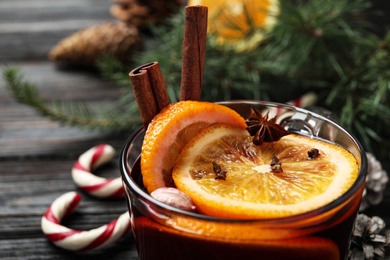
point(29, 29)
point(40, 248)
point(28, 187)
point(64, 84)
point(36, 154)
point(21, 11)
point(25, 133)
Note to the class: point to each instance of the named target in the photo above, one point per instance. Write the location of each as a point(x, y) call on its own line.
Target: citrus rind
point(171, 129)
point(251, 189)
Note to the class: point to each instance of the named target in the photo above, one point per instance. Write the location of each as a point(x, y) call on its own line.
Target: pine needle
point(324, 46)
point(70, 113)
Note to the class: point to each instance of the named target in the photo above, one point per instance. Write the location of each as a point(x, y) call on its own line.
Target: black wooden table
point(36, 158)
point(36, 154)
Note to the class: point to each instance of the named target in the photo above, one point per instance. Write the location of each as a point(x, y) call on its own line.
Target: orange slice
point(239, 25)
point(251, 189)
point(171, 129)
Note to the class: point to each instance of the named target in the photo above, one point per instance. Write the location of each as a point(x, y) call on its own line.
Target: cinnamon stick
point(194, 52)
point(149, 91)
point(158, 86)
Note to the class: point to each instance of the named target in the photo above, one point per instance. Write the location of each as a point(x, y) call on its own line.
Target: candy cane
point(94, 185)
point(79, 240)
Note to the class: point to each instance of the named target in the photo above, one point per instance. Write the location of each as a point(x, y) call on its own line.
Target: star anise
point(262, 129)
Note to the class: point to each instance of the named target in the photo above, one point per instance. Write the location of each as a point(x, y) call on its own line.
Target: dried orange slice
point(171, 129)
point(251, 188)
point(239, 25)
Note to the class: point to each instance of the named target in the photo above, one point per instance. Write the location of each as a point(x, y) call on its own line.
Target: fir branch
point(322, 45)
point(325, 46)
point(227, 74)
point(70, 113)
point(311, 35)
point(361, 96)
point(113, 70)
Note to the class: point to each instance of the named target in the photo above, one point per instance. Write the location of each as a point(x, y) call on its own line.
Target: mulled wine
point(165, 232)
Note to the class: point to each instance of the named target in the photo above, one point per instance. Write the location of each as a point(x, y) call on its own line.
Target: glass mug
point(164, 232)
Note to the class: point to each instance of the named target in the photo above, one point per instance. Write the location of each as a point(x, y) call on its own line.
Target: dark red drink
point(165, 232)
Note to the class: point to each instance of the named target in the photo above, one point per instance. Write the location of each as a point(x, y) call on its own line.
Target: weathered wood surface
point(29, 29)
point(24, 133)
point(37, 154)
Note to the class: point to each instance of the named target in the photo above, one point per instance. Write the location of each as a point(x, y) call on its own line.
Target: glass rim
point(128, 181)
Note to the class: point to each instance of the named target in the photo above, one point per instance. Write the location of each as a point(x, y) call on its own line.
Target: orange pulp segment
point(171, 129)
point(251, 190)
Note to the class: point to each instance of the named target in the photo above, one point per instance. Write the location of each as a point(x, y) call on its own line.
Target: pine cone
point(140, 13)
point(84, 47)
point(376, 182)
point(370, 239)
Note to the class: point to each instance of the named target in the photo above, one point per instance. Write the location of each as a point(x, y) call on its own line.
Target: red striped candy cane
point(90, 183)
point(79, 240)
